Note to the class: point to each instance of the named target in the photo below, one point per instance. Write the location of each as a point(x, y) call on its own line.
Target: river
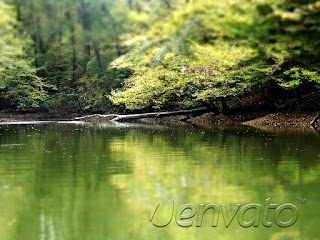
point(82, 181)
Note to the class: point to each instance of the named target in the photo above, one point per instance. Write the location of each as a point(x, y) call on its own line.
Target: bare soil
point(258, 119)
point(254, 119)
point(17, 117)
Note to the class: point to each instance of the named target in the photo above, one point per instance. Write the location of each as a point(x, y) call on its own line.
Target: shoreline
point(253, 119)
point(274, 119)
point(24, 117)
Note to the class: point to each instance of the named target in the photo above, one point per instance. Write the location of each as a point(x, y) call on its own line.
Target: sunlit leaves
point(242, 45)
point(173, 54)
point(20, 87)
point(297, 75)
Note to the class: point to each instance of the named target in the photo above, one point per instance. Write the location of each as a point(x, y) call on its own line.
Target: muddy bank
point(254, 119)
point(300, 120)
point(19, 117)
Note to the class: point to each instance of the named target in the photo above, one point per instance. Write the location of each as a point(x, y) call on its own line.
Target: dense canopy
point(81, 55)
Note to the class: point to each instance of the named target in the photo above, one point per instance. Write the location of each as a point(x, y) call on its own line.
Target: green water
point(73, 181)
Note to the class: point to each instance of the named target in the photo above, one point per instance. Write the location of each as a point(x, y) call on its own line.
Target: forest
point(100, 56)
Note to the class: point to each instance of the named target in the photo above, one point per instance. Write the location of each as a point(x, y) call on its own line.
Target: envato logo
point(249, 215)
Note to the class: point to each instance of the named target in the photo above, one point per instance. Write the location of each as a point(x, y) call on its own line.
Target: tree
point(20, 87)
point(74, 42)
point(205, 52)
point(171, 54)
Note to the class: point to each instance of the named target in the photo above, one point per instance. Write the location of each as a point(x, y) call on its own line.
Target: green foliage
point(200, 51)
point(144, 54)
point(20, 87)
point(74, 42)
point(297, 76)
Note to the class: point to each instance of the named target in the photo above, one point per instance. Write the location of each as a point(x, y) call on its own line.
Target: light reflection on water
point(83, 181)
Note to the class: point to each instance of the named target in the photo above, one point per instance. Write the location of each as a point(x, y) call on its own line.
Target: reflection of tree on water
point(252, 165)
point(92, 179)
point(315, 130)
point(72, 169)
point(88, 157)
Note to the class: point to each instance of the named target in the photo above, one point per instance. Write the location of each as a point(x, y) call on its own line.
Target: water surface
point(81, 181)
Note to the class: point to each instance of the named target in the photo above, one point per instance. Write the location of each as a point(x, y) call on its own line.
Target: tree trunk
point(315, 119)
point(125, 118)
point(39, 36)
point(18, 10)
point(118, 47)
point(98, 57)
point(130, 4)
point(73, 45)
point(225, 108)
point(213, 107)
point(115, 26)
point(86, 26)
point(167, 3)
point(298, 98)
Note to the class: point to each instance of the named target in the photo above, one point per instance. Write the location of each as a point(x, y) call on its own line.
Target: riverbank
point(254, 119)
point(21, 117)
point(278, 119)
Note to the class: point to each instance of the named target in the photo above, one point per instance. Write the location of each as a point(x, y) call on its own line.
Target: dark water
point(71, 181)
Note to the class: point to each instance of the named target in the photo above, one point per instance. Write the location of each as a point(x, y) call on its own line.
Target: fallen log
point(315, 119)
point(124, 118)
point(106, 116)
